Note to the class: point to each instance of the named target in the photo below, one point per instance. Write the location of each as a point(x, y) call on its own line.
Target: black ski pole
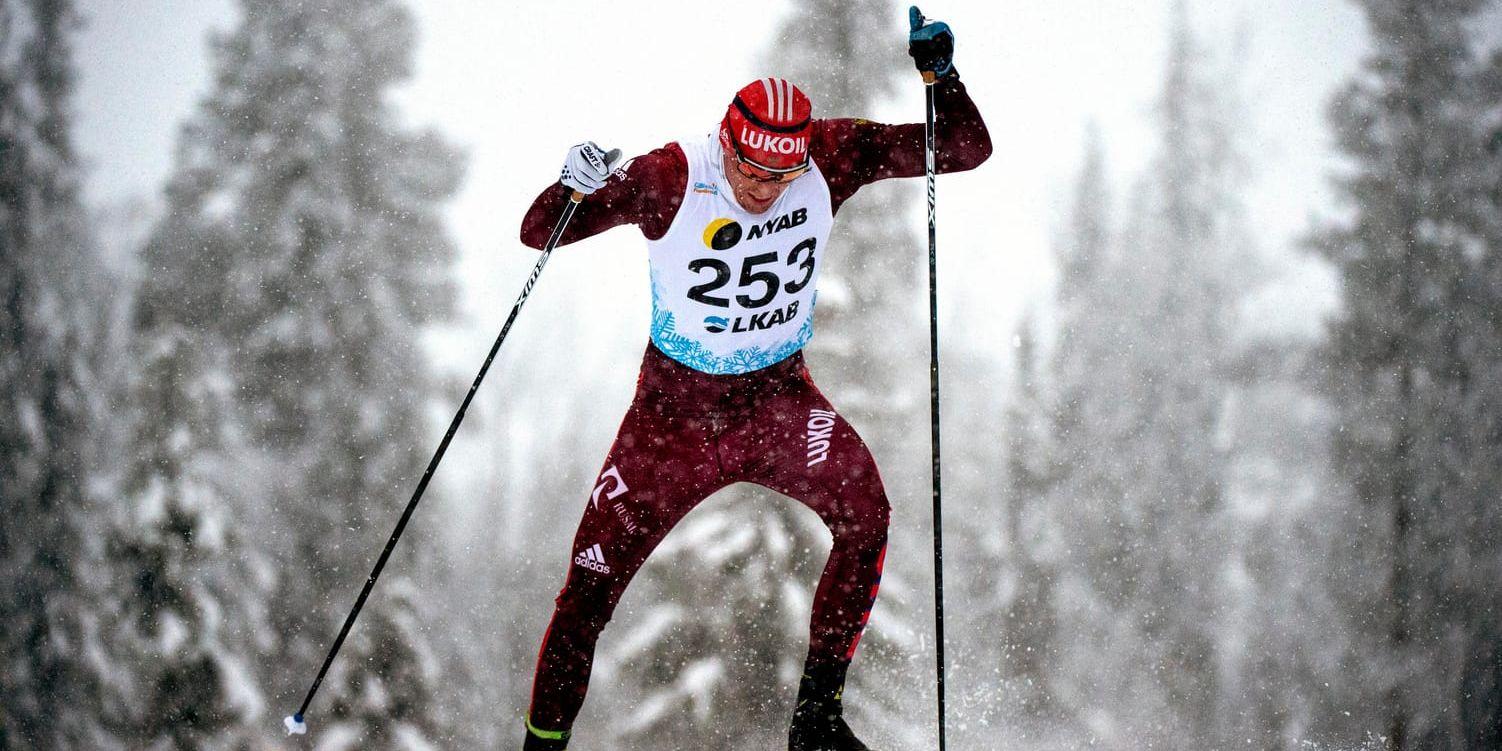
point(295, 723)
point(933, 393)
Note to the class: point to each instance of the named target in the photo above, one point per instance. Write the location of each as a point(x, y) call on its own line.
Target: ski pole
point(933, 384)
point(295, 723)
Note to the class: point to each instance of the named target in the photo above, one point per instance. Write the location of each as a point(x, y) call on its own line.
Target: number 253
point(767, 279)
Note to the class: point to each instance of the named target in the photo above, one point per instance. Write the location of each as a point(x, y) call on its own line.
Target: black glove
point(931, 44)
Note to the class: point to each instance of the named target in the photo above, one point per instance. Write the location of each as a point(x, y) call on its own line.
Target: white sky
point(516, 84)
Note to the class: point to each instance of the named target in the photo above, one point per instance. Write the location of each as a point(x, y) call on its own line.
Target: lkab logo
point(752, 322)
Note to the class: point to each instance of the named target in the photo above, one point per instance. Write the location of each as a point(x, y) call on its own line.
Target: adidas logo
point(593, 559)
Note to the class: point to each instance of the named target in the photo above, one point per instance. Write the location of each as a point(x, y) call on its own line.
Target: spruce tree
point(306, 215)
point(1043, 420)
point(1408, 363)
point(1132, 521)
point(1018, 601)
point(192, 622)
point(52, 671)
point(1479, 692)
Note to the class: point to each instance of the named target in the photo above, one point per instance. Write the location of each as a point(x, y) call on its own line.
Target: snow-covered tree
point(1044, 420)
point(1049, 430)
point(51, 667)
point(190, 623)
point(303, 220)
point(1005, 636)
point(1412, 362)
point(1131, 524)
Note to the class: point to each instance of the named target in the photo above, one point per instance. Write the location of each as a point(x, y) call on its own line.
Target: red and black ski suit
point(689, 433)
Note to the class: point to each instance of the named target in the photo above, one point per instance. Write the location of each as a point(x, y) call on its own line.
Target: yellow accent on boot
point(551, 735)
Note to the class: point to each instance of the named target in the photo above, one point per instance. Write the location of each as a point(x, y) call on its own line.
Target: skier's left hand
point(930, 43)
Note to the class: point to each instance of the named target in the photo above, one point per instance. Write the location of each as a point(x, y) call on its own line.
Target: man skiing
point(737, 224)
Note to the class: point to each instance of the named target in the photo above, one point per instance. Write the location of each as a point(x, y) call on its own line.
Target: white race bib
point(732, 291)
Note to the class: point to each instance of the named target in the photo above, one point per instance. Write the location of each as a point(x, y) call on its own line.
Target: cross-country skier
point(737, 223)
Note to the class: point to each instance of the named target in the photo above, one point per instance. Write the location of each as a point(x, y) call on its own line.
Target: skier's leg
point(799, 446)
point(657, 470)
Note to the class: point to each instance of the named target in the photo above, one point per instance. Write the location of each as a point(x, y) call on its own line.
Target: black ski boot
point(818, 721)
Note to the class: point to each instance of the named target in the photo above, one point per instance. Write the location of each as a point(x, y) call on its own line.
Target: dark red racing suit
point(688, 433)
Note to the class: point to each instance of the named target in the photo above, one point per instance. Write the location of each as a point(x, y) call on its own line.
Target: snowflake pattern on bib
point(695, 355)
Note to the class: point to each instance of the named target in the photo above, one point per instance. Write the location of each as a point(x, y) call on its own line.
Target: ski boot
point(818, 722)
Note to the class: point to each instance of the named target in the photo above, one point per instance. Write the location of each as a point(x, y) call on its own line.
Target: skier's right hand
point(930, 43)
point(588, 167)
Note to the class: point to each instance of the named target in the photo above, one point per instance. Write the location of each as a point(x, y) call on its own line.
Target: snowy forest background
point(1188, 507)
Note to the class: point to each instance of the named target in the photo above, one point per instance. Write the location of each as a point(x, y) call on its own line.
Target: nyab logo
point(771, 226)
point(723, 233)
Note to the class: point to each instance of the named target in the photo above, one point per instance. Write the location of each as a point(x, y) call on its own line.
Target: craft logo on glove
point(596, 159)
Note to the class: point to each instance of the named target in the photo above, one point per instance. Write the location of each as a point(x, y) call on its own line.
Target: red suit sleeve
point(852, 153)
point(646, 192)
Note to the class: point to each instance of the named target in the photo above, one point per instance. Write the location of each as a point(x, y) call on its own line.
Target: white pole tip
point(295, 725)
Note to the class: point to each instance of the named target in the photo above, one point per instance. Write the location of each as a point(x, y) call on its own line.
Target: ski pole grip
point(576, 197)
point(929, 78)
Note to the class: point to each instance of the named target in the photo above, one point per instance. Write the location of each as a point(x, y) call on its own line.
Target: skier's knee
point(586, 606)
point(865, 524)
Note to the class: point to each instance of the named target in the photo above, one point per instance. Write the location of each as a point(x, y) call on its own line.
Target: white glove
point(588, 166)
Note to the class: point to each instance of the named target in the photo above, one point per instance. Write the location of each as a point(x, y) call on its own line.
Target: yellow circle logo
point(722, 234)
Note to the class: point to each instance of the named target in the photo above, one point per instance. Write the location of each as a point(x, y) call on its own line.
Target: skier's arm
point(852, 153)
point(645, 192)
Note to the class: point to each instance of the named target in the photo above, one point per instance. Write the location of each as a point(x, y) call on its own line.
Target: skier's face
point(753, 195)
